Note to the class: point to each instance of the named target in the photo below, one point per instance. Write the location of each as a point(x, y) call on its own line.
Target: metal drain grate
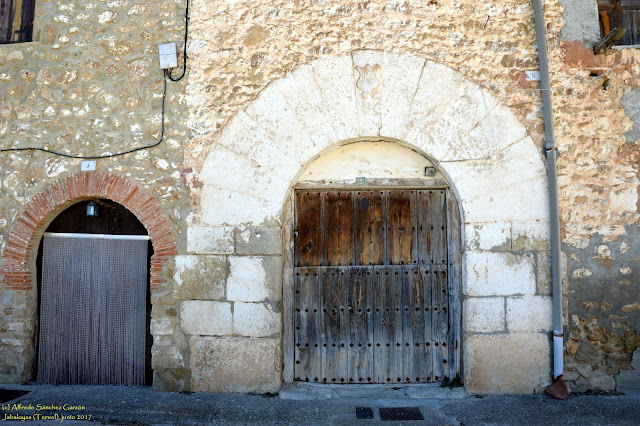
point(400, 413)
point(364, 413)
point(7, 395)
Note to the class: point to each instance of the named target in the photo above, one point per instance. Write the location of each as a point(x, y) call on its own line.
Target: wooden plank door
point(372, 289)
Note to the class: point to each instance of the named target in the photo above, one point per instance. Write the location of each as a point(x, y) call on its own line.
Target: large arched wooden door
point(372, 286)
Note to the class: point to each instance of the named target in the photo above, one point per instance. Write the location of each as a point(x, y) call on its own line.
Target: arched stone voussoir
point(245, 137)
point(496, 169)
point(510, 186)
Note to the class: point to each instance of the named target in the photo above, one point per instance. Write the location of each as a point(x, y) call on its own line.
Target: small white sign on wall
point(87, 166)
point(533, 75)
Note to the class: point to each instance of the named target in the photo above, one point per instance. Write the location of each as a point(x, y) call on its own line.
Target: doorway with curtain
point(94, 305)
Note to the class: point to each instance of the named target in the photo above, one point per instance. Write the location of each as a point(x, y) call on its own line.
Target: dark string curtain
point(93, 310)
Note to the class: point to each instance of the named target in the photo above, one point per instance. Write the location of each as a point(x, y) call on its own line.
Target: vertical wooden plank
point(340, 228)
point(17, 20)
point(344, 282)
point(413, 325)
point(333, 354)
point(427, 286)
point(329, 323)
point(309, 248)
point(395, 274)
point(432, 236)
point(361, 331)
point(369, 233)
point(308, 332)
point(402, 232)
point(440, 322)
point(383, 323)
point(454, 269)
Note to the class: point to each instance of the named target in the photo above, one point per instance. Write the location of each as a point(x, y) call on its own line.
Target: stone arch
point(478, 144)
point(476, 141)
point(46, 205)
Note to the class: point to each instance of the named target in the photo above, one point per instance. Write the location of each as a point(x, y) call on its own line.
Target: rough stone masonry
point(275, 87)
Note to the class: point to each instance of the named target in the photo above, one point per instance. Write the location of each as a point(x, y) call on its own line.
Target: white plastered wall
point(476, 143)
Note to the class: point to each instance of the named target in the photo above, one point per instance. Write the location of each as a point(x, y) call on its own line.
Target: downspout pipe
point(552, 176)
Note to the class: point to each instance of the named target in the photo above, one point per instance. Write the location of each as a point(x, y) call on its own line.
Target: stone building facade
point(281, 95)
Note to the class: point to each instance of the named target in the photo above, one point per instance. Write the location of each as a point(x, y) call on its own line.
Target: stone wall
point(90, 85)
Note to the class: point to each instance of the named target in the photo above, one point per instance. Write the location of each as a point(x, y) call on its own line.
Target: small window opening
point(16, 20)
point(620, 14)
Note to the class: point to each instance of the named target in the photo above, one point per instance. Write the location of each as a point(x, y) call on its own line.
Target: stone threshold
point(307, 391)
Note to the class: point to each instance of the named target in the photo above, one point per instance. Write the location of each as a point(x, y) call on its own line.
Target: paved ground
point(141, 406)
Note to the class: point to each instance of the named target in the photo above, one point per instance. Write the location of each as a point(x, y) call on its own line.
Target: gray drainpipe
point(558, 388)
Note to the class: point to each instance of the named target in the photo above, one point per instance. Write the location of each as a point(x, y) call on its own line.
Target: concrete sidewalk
point(142, 406)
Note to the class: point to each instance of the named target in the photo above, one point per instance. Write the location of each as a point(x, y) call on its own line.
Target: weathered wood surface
point(401, 227)
point(369, 239)
point(439, 321)
point(309, 247)
point(308, 328)
point(454, 268)
point(340, 223)
point(375, 323)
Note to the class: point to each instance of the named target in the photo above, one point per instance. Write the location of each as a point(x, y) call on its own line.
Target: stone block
point(227, 207)
point(494, 190)
point(499, 274)
point(166, 357)
point(305, 100)
point(201, 317)
point(601, 381)
point(543, 273)
point(335, 75)
point(256, 180)
point(628, 381)
point(274, 115)
point(494, 236)
point(531, 236)
point(255, 320)
point(400, 76)
point(581, 22)
point(529, 313)
point(259, 240)
point(200, 277)
point(235, 364)
point(254, 279)
point(589, 354)
point(517, 363)
point(367, 75)
point(171, 379)
point(244, 136)
point(484, 315)
point(209, 240)
point(161, 326)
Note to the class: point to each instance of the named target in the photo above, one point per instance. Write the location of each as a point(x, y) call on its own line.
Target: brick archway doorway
point(18, 272)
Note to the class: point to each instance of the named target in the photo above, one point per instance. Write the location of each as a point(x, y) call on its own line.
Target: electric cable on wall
point(166, 74)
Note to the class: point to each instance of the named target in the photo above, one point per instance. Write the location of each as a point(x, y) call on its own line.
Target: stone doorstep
point(381, 392)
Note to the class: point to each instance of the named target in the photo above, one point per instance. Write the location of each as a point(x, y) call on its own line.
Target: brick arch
point(46, 205)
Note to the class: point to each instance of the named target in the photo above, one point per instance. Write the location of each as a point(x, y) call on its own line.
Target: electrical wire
point(166, 74)
point(97, 157)
point(186, 38)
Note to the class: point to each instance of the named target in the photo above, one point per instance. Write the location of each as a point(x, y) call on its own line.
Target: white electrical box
point(87, 166)
point(533, 75)
point(168, 55)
